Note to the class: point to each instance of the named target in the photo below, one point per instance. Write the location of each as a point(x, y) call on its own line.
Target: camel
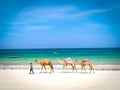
point(85, 62)
point(66, 62)
point(44, 63)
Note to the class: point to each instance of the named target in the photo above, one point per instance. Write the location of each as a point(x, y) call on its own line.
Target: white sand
point(22, 80)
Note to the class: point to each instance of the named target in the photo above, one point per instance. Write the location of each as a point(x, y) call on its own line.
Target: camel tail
point(51, 66)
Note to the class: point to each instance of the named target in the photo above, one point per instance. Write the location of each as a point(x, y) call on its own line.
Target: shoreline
point(60, 67)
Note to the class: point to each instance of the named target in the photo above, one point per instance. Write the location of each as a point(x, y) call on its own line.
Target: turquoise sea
point(100, 56)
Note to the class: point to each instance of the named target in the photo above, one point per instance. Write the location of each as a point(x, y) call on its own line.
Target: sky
point(59, 24)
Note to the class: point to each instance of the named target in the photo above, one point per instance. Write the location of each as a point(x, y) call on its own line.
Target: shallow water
point(100, 56)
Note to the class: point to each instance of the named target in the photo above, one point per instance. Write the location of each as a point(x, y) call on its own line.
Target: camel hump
point(46, 61)
point(68, 60)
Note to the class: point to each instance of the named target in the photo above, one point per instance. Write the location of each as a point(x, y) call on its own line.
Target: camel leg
point(45, 69)
point(84, 69)
point(81, 68)
point(41, 68)
point(51, 69)
point(63, 68)
point(75, 68)
point(91, 68)
point(72, 67)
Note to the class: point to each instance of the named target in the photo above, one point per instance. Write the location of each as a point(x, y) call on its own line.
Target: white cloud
point(53, 13)
point(32, 28)
point(92, 26)
point(40, 27)
point(40, 18)
point(43, 14)
point(14, 34)
point(90, 12)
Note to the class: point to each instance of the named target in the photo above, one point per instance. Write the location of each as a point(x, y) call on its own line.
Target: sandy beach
point(20, 79)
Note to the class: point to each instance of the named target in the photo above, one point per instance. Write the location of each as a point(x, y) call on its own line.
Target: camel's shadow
point(64, 72)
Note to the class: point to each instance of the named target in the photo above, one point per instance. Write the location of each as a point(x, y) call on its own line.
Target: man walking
point(31, 68)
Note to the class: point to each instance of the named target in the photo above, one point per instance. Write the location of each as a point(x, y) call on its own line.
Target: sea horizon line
point(60, 48)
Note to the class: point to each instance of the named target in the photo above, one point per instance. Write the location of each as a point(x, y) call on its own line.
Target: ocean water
point(98, 56)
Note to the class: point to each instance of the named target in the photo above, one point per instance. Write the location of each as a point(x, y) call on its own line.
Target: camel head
point(57, 59)
point(35, 60)
point(76, 60)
